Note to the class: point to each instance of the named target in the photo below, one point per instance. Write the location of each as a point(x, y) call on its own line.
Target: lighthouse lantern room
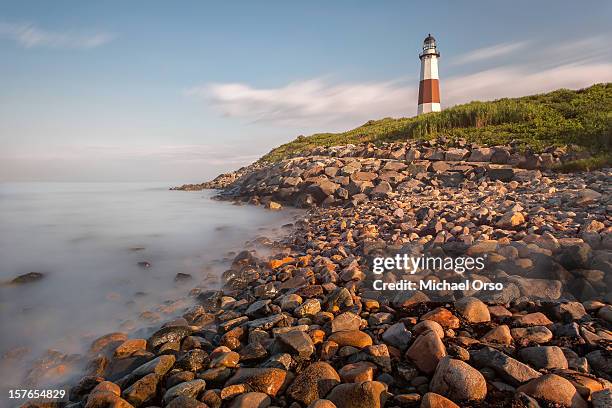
point(429, 86)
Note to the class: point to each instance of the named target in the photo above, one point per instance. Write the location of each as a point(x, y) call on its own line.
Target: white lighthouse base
point(428, 107)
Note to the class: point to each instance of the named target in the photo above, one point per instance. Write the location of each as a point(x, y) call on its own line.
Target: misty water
point(88, 240)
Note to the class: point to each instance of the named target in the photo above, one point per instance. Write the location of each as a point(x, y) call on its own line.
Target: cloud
point(494, 51)
point(208, 153)
point(317, 103)
point(29, 35)
point(304, 101)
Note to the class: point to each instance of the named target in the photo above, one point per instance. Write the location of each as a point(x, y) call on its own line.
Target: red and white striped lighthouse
point(429, 87)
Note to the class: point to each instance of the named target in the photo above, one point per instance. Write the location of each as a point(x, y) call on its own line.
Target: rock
point(296, 342)
point(106, 341)
point(251, 400)
point(258, 309)
point(184, 401)
point(500, 173)
point(313, 383)
point(129, 347)
point(433, 400)
point(193, 360)
point(442, 316)
point(532, 319)
point(142, 391)
point(575, 256)
point(268, 380)
point(273, 205)
point(602, 399)
point(322, 403)
point(345, 321)
point(309, 308)
point(369, 394)
point(187, 389)
point(500, 334)
point(423, 326)
point(353, 338)
point(535, 334)
point(27, 278)
point(398, 336)
point(456, 154)
point(544, 357)
point(458, 381)
point(426, 351)
point(473, 310)
point(358, 372)
point(511, 219)
point(511, 370)
point(159, 365)
point(601, 361)
point(168, 335)
point(224, 357)
point(554, 389)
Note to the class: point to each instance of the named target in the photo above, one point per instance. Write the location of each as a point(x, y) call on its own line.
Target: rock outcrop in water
point(306, 328)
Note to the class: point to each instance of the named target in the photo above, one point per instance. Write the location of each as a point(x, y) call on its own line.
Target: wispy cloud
point(494, 51)
point(304, 101)
point(318, 102)
point(29, 35)
point(214, 154)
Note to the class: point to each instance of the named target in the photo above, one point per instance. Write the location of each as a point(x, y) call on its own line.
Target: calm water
point(89, 238)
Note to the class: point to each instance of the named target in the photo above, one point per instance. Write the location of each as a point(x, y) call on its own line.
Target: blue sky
point(179, 91)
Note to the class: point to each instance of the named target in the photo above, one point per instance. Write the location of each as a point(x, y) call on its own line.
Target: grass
point(580, 117)
point(592, 163)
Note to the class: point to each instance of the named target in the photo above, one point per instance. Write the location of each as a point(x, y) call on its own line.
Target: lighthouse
point(429, 86)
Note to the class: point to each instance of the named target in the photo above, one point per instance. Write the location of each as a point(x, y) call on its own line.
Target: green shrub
point(582, 117)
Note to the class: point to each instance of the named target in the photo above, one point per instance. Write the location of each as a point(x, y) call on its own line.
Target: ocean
point(109, 253)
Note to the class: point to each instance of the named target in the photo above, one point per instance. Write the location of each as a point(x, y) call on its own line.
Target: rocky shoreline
point(305, 327)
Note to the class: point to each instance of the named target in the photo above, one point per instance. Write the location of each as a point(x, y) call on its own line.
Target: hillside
point(581, 117)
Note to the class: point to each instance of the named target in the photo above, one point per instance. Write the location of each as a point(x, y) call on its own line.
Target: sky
point(180, 91)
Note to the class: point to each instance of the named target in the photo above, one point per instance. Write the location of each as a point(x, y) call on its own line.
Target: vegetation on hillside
point(582, 117)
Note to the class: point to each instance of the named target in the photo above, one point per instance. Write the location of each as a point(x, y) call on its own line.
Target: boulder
point(458, 381)
point(554, 389)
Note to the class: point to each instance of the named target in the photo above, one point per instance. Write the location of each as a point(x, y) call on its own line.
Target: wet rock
point(267, 380)
point(142, 391)
point(313, 383)
point(458, 381)
point(159, 365)
point(193, 360)
point(27, 278)
point(187, 389)
point(172, 334)
point(107, 341)
point(129, 347)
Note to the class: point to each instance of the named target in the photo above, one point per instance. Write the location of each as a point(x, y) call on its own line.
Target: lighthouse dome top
point(429, 47)
point(429, 42)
